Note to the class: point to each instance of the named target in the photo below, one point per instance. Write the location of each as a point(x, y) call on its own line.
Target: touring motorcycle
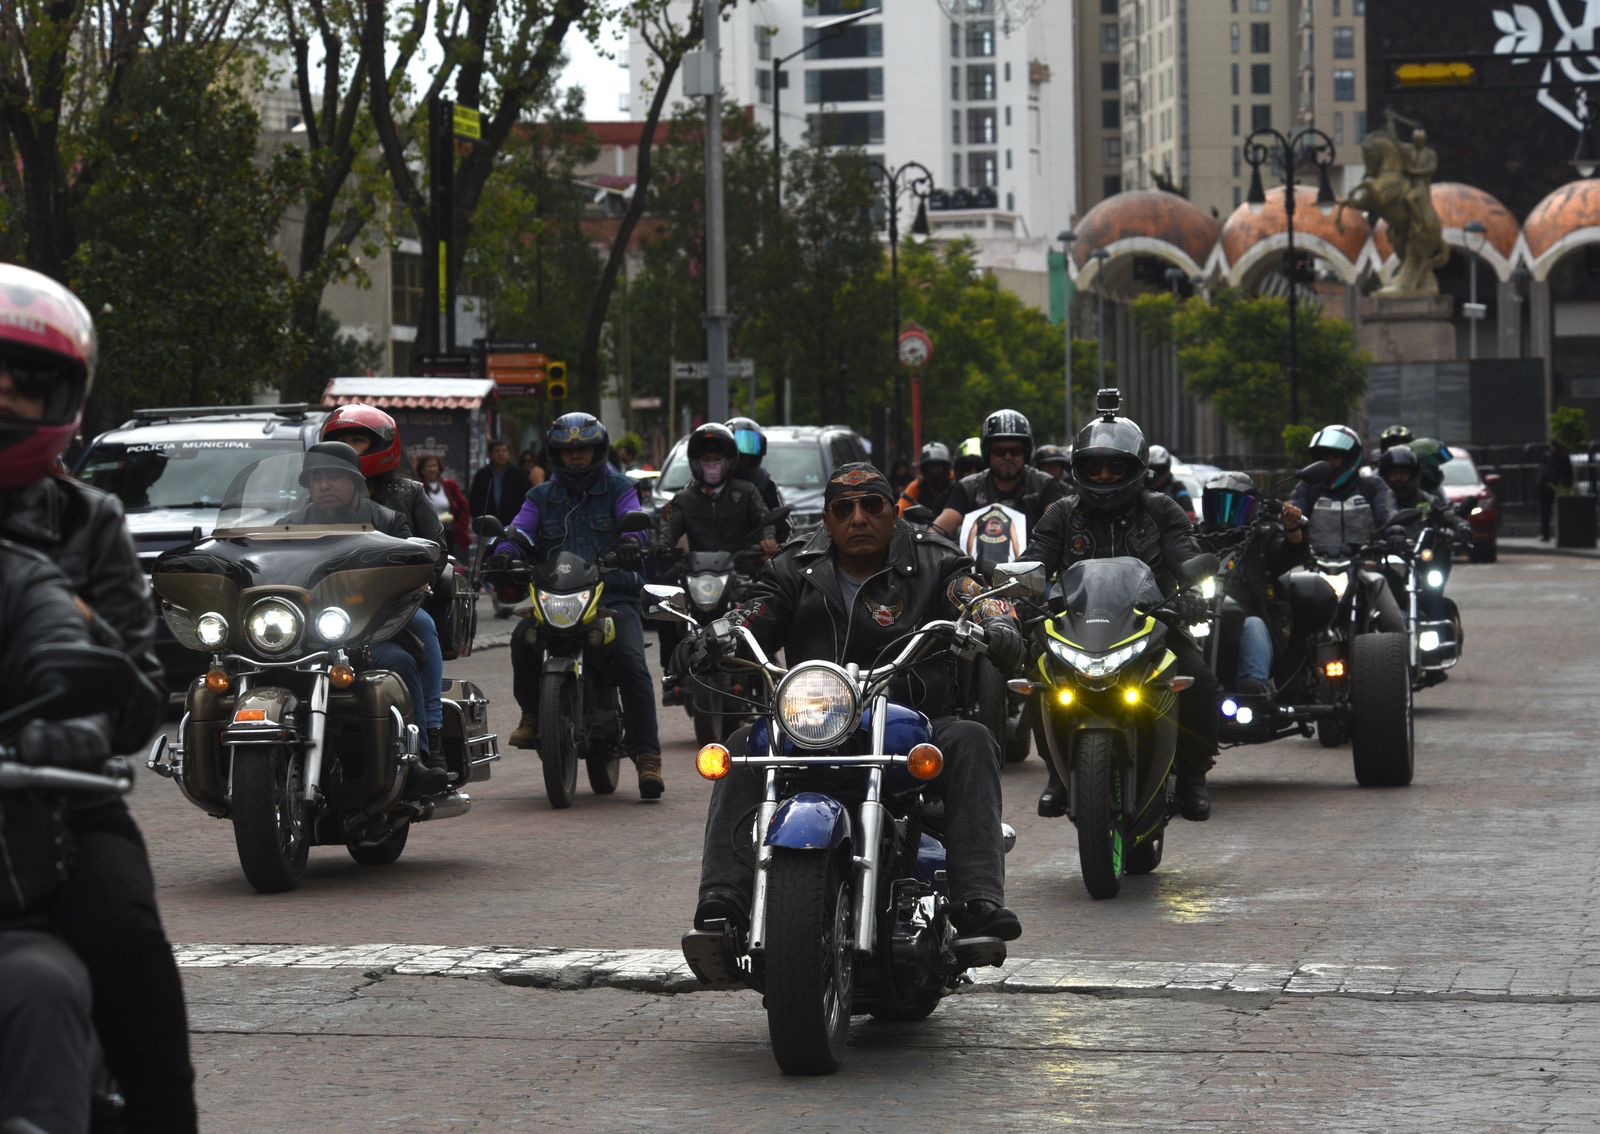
point(292, 733)
point(851, 908)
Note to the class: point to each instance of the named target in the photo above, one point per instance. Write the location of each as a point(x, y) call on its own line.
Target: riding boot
point(1194, 800)
point(1053, 799)
point(431, 775)
point(526, 734)
point(651, 785)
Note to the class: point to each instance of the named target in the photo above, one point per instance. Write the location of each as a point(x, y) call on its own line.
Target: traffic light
point(556, 381)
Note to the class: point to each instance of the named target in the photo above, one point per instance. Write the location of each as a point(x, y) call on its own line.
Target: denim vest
point(584, 523)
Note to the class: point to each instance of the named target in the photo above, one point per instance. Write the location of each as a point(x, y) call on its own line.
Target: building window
point(1261, 116)
point(1336, 9)
point(1110, 113)
point(1110, 186)
point(853, 128)
point(955, 127)
point(1238, 196)
point(1233, 38)
point(1338, 127)
point(980, 39)
point(1361, 124)
point(955, 39)
point(1236, 130)
point(1238, 162)
point(763, 85)
point(1236, 78)
point(980, 82)
point(1344, 43)
point(764, 43)
point(1358, 7)
point(983, 170)
point(1261, 5)
point(859, 41)
point(1108, 39)
point(1260, 39)
point(1008, 72)
point(955, 82)
point(1108, 7)
point(1111, 149)
point(955, 171)
point(1011, 202)
point(1261, 78)
point(1008, 159)
point(1344, 86)
point(1110, 75)
point(981, 127)
point(845, 84)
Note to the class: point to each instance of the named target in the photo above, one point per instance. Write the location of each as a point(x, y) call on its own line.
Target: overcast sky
point(604, 81)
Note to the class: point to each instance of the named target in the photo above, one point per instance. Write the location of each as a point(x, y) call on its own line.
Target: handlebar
point(29, 777)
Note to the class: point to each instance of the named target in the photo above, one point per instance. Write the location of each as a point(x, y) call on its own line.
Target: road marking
point(663, 970)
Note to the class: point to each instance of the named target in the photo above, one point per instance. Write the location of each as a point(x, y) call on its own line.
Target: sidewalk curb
point(1509, 548)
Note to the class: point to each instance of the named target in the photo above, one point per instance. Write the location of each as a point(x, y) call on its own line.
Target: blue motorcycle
point(851, 909)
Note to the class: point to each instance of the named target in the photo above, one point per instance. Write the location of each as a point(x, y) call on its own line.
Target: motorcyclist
point(1347, 509)
point(1229, 502)
point(1112, 512)
point(1394, 435)
point(107, 909)
point(331, 471)
point(969, 459)
point(932, 487)
point(716, 512)
point(45, 1029)
point(1006, 444)
point(1402, 470)
point(376, 439)
point(1160, 479)
point(1054, 461)
point(577, 510)
point(864, 580)
point(752, 442)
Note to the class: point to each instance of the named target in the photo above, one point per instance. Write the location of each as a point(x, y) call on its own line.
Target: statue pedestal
point(1407, 328)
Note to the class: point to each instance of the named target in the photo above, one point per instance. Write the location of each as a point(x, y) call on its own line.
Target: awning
point(409, 393)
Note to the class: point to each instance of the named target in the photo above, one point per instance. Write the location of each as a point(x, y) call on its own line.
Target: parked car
point(1194, 477)
point(800, 459)
point(171, 469)
point(1475, 496)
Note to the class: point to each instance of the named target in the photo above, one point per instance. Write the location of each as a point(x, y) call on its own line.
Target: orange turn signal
point(342, 677)
point(713, 762)
point(217, 680)
point(1334, 668)
point(925, 761)
point(246, 715)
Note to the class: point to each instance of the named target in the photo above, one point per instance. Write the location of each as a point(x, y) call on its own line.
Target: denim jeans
point(427, 632)
point(1255, 650)
point(627, 660)
point(396, 658)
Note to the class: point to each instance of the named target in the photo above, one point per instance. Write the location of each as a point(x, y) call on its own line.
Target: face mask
point(711, 471)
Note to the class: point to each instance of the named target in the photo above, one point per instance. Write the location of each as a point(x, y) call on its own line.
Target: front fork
point(311, 742)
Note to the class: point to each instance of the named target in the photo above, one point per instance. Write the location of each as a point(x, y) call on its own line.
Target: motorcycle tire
point(919, 1009)
point(1144, 857)
point(1382, 731)
point(605, 770)
point(990, 689)
point(271, 830)
point(810, 962)
point(558, 738)
point(1100, 820)
point(1019, 737)
point(381, 854)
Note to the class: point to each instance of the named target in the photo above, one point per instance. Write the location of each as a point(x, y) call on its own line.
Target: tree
point(175, 251)
point(1233, 351)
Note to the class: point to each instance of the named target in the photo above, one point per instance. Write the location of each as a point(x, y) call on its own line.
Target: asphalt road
point(1317, 956)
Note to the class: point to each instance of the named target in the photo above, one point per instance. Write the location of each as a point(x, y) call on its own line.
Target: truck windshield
point(149, 476)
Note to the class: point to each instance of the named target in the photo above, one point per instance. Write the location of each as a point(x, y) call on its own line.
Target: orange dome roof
point(1459, 205)
point(1574, 206)
point(1247, 228)
point(1152, 215)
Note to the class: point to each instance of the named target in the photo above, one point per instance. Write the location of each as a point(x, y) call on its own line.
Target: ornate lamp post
point(1306, 144)
point(912, 177)
point(1068, 238)
point(1100, 258)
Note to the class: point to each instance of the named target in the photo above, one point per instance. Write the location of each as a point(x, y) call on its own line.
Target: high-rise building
point(985, 103)
point(1332, 91)
point(1099, 75)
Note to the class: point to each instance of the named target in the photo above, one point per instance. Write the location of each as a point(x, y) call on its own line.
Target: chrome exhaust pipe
point(443, 806)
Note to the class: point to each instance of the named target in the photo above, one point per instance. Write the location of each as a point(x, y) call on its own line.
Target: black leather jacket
point(770, 496)
point(1034, 494)
point(82, 531)
point(797, 604)
point(1153, 527)
point(410, 499)
point(730, 520)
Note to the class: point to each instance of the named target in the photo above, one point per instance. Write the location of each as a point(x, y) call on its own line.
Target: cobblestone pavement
point(1316, 957)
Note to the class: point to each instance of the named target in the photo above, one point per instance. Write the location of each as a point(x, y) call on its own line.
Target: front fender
point(809, 821)
point(276, 726)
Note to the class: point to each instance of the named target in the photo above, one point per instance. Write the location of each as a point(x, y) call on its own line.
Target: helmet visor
point(1227, 508)
point(749, 442)
point(38, 389)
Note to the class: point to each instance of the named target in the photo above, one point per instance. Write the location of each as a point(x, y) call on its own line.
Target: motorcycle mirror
point(776, 514)
point(1317, 472)
point(488, 526)
point(1198, 569)
point(635, 522)
point(86, 678)
point(667, 598)
point(918, 514)
point(1027, 576)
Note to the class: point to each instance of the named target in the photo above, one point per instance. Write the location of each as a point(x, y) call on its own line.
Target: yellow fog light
point(1130, 696)
point(713, 762)
point(1334, 669)
point(925, 761)
point(217, 680)
point(1063, 696)
point(1427, 555)
point(341, 677)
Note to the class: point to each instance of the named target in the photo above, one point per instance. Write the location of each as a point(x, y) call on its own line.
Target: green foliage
point(175, 256)
point(332, 354)
point(1569, 427)
point(1296, 440)
point(1234, 353)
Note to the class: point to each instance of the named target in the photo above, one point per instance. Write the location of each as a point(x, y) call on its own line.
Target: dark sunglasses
point(842, 509)
point(1007, 451)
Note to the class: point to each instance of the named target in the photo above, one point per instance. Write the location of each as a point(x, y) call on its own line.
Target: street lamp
point(912, 177)
point(1583, 158)
point(1100, 257)
point(1176, 277)
point(830, 29)
point(1307, 144)
point(1067, 238)
point(1474, 233)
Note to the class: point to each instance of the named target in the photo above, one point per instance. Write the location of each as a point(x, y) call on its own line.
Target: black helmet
point(1229, 501)
point(750, 441)
point(1007, 424)
point(334, 456)
point(1110, 438)
point(1050, 455)
point(1399, 457)
point(1394, 435)
point(708, 438)
point(934, 453)
point(1160, 461)
point(577, 430)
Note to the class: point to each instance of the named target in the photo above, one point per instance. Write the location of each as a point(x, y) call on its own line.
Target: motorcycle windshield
point(710, 562)
point(566, 573)
point(1102, 600)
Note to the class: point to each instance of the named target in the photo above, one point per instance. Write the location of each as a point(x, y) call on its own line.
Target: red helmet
point(383, 455)
point(47, 352)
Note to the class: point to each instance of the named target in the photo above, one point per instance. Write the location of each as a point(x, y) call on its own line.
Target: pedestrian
point(532, 462)
point(1555, 473)
point(455, 513)
point(496, 490)
point(900, 475)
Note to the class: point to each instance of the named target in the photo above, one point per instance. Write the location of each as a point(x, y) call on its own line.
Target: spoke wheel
point(270, 825)
point(381, 854)
point(810, 964)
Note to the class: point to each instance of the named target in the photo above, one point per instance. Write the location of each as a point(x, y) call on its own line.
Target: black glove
point(1006, 648)
point(498, 562)
point(81, 744)
point(1192, 608)
point(625, 583)
point(629, 554)
point(704, 650)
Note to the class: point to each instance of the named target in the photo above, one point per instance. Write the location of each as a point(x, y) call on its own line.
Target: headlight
point(1340, 583)
point(816, 705)
point(1099, 665)
point(1208, 588)
point(333, 624)
point(1428, 641)
point(1200, 630)
point(706, 590)
point(274, 626)
point(564, 611)
point(212, 629)
point(1435, 578)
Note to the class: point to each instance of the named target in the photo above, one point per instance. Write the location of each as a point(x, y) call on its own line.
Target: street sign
point(456, 365)
point(467, 123)
point(1435, 75)
point(515, 368)
point(695, 371)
